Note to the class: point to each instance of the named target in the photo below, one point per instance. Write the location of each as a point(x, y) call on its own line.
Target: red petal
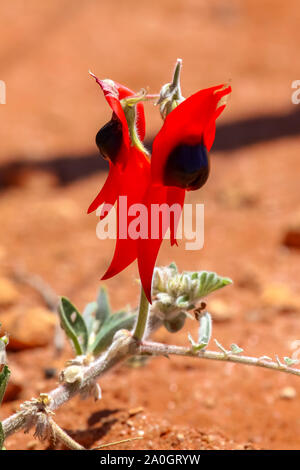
point(148, 249)
point(109, 191)
point(135, 180)
point(191, 122)
point(114, 92)
point(175, 196)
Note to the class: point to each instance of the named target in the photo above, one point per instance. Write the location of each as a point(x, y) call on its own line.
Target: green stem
point(142, 317)
point(176, 76)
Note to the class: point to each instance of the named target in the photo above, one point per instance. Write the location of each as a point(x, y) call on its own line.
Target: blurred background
point(50, 171)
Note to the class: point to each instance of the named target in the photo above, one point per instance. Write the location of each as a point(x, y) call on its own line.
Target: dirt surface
point(53, 111)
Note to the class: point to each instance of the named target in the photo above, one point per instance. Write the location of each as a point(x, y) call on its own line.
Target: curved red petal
point(175, 196)
point(114, 92)
point(135, 179)
point(109, 191)
point(192, 122)
point(148, 249)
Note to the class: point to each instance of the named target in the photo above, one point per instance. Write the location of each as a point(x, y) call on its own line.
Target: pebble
point(280, 297)
point(288, 393)
point(28, 329)
point(220, 310)
point(8, 292)
point(135, 411)
point(291, 237)
point(31, 445)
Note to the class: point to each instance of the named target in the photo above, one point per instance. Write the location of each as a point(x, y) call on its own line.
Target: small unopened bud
point(170, 93)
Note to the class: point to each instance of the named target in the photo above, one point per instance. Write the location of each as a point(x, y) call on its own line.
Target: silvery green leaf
point(73, 325)
point(2, 352)
point(103, 310)
point(183, 301)
point(190, 338)
point(4, 378)
point(176, 323)
point(289, 361)
point(115, 322)
point(173, 266)
point(89, 316)
point(205, 330)
point(235, 349)
point(210, 282)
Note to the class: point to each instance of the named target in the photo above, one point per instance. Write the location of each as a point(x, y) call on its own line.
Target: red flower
point(129, 172)
point(179, 163)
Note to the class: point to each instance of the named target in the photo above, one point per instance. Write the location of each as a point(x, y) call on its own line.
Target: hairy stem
point(63, 393)
point(142, 317)
point(59, 433)
point(127, 346)
point(159, 349)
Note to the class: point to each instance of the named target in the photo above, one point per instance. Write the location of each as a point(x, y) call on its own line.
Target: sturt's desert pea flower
point(179, 163)
point(120, 142)
point(179, 160)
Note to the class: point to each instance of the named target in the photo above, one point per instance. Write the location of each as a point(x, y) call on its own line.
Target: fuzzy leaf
point(235, 349)
point(103, 310)
point(2, 352)
point(115, 322)
point(89, 316)
point(173, 266)
point(205, 331)
point(209, 282)
point(289, 361)
point(73, 325)
point(4, 378)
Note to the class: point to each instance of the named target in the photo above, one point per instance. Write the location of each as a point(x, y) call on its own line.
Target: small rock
point(291, 237)
point(141, 433)
point(280, 297)
point(220, 310)
point(135, 411)
point(180, 437)
point(8, 292)
point(288, 393)
point(31, 445)
point(209, 402)
point(28, 329)
point(240, 447)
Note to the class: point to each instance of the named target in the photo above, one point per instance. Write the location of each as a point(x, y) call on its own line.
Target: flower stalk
point(142, 317)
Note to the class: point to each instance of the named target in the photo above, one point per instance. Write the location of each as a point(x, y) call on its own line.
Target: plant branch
point(124, 346)
point(118, 352)
point(159, 349)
